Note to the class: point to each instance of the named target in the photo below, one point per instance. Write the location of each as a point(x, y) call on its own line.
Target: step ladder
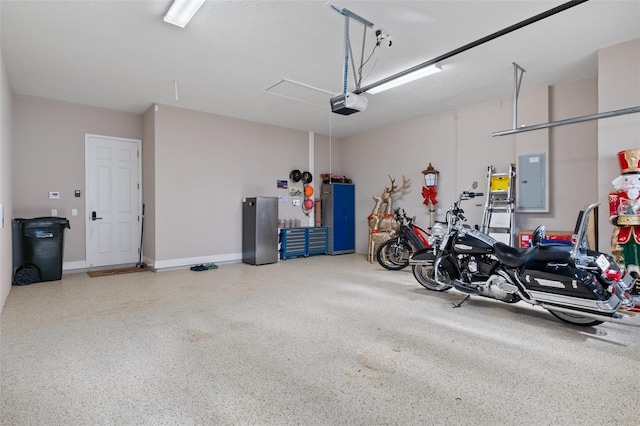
point(498, 220)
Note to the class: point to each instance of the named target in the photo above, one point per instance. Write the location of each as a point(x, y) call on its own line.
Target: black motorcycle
point(575, 284)
point(394, 253)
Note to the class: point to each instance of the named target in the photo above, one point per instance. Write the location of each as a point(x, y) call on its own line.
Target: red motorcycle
point(395, 253)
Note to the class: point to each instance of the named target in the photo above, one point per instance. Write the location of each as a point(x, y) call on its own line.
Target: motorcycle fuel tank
point(474, 242)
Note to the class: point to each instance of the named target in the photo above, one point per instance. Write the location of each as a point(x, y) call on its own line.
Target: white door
point(113, 200)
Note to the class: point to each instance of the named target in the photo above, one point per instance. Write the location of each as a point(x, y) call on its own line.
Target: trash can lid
point(45, 221)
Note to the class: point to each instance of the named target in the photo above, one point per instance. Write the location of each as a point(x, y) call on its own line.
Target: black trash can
point(39, 249)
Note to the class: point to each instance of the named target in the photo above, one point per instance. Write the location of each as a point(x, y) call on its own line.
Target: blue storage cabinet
point(293, 242)
point(296, 242)
point(339, 215)
point(317, 240)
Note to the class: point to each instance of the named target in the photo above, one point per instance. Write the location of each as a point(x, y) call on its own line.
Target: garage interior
point(226, 108)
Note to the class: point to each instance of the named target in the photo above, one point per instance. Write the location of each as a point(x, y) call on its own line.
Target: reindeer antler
point(406, 184)
point(393, 186)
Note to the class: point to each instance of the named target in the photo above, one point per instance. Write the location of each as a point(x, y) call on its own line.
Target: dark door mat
point(119, 271)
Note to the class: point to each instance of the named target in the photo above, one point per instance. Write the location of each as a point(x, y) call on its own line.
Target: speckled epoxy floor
point(318, 341)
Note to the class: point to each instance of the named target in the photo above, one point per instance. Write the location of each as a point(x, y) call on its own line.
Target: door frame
point(87, 222)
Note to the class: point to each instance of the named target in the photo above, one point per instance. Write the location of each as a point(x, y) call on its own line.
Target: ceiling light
point(181, 12)
point(406, 78)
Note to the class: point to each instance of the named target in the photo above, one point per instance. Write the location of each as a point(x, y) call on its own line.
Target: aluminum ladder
point(498, 219)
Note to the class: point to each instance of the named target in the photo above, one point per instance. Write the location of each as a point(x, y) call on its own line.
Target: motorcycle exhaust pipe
point(620, 317)
point(420, 262)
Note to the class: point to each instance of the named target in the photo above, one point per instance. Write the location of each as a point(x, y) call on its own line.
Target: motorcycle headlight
point(438, 229)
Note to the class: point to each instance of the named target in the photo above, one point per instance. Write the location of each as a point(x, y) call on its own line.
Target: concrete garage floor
point(317, 341)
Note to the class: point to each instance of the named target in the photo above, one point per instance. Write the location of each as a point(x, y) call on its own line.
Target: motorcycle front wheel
point(394, 255)
point(424, 274)
point(575, 319)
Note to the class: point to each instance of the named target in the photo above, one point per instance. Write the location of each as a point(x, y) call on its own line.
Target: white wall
point(6, 268)
point(199, 166)
point(618, 88)
point(149, 185)
point(48, 155)
point(204, 165)
point(461, 146)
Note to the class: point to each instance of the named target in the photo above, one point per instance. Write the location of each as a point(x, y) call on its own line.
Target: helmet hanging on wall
point(308, 204)
point(295, 175)
point(308, 191)
point(307, 177)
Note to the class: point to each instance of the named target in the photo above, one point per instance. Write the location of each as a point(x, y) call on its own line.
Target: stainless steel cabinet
point(260, 230)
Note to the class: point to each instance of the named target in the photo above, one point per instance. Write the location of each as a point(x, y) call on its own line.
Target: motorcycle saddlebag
point(561, 279)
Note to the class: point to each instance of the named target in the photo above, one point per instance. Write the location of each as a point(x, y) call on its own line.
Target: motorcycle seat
point(517, 257)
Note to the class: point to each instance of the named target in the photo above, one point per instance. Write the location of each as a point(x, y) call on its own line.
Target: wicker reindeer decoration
point(382, 225)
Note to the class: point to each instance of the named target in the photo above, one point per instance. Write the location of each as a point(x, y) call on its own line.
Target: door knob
point(93, 216)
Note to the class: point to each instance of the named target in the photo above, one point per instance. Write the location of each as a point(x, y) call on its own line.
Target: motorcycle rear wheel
point(394, 255)
point(575, 319)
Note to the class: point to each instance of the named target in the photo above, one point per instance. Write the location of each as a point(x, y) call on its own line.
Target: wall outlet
point(54, 212)
point(54, 195)
point(74, 212)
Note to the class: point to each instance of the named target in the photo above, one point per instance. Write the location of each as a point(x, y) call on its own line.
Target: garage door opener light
point(422, 72)
point(181, 12)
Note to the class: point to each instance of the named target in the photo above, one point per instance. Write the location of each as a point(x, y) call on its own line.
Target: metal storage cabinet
point(339, 215)
point(294, 242)
point(317, 240)
point(260, 230)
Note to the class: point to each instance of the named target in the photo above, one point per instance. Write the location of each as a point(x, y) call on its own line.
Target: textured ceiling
point(122, 55)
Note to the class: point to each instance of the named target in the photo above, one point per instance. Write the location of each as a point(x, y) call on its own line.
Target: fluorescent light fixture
point(181, 12)
point(406, 78)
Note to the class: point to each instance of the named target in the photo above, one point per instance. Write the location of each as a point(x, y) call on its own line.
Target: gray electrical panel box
point(532, 185)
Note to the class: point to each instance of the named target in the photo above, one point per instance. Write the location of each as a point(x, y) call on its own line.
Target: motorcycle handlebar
point(472, 194)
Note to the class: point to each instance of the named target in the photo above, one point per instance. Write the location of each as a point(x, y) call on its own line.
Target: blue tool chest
point(296, 242)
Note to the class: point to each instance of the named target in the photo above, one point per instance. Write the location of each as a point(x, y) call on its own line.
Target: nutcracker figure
point(429, 191)
point(624, 214)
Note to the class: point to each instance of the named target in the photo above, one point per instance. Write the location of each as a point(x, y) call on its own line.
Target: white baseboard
point(70, 266)
point(188, 261)
point(169, 263)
